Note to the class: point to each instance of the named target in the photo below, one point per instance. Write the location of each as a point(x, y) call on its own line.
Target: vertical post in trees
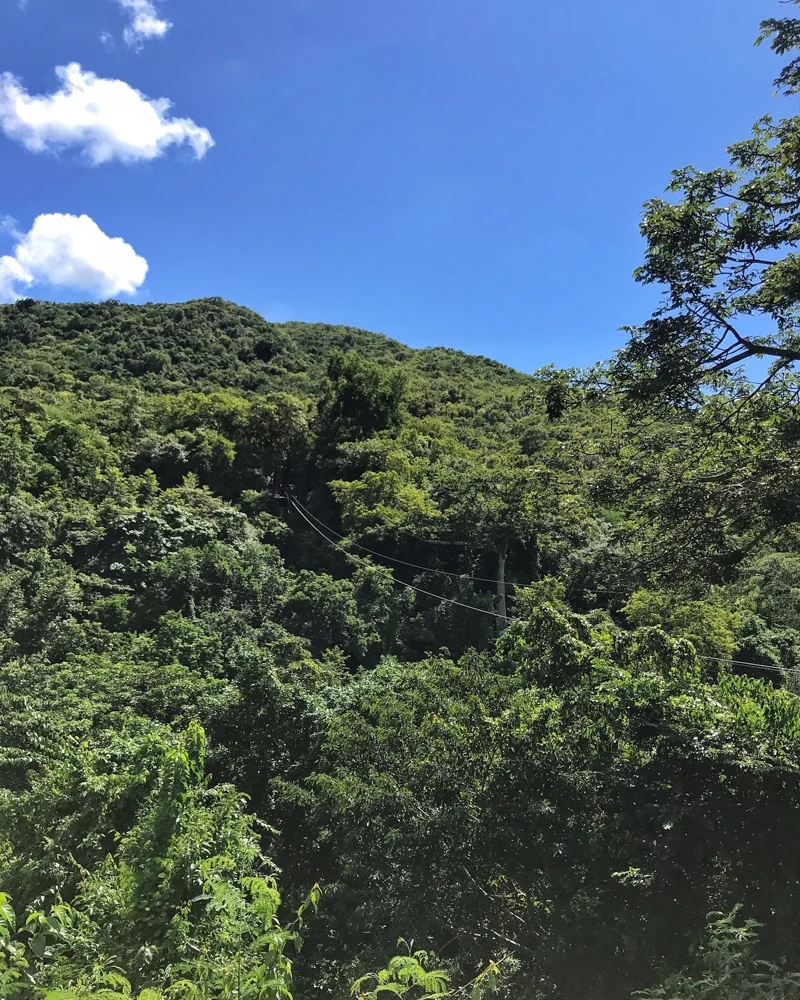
point(496, 507)
point(502, 618)
point(535, 573)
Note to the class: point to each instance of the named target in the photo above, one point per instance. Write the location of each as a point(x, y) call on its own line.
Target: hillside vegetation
point(310, 638)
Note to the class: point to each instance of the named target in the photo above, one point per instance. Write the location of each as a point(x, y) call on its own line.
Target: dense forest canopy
point(327, 664)
point(401, 623)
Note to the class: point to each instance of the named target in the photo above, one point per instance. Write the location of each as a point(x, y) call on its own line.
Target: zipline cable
point(401, 583)
point(746, 663)
point(402, 562)
point(469, 607)
point(429, 569)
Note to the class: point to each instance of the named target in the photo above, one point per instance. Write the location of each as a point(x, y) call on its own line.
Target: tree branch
point(752, 346)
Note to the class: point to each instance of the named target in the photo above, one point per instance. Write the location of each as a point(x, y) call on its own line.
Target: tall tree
point(361, 398)
point(724, 248)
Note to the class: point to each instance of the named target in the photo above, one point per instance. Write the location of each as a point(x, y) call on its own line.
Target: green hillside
point(208, 342)
point(472, 658)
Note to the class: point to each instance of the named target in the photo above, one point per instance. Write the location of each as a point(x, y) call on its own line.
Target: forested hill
point(501, 668)
point(213, 343)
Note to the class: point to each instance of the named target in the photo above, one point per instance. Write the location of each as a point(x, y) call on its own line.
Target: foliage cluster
point(501, 667)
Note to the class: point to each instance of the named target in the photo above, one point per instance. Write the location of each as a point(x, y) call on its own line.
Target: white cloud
point(71, 251)
point(11, 275)
point(144, 22)
point(107, 118)
point(8, 224)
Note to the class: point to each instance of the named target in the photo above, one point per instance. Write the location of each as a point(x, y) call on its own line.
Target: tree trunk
point(535, 574)
point(500, 605)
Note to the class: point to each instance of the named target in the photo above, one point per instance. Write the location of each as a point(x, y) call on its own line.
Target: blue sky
point(459, 172)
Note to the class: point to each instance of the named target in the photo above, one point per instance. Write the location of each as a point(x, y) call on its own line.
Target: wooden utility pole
point(500, 607)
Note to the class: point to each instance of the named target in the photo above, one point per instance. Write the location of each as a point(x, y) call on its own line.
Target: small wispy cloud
point(145, 22)
point(8, 224)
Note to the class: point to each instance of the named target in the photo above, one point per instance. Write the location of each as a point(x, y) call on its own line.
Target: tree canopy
point(723, 249)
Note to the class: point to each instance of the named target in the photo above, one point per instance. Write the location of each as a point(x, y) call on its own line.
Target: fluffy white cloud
point(108, 119)
point(144, 21)
point(71, 251)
